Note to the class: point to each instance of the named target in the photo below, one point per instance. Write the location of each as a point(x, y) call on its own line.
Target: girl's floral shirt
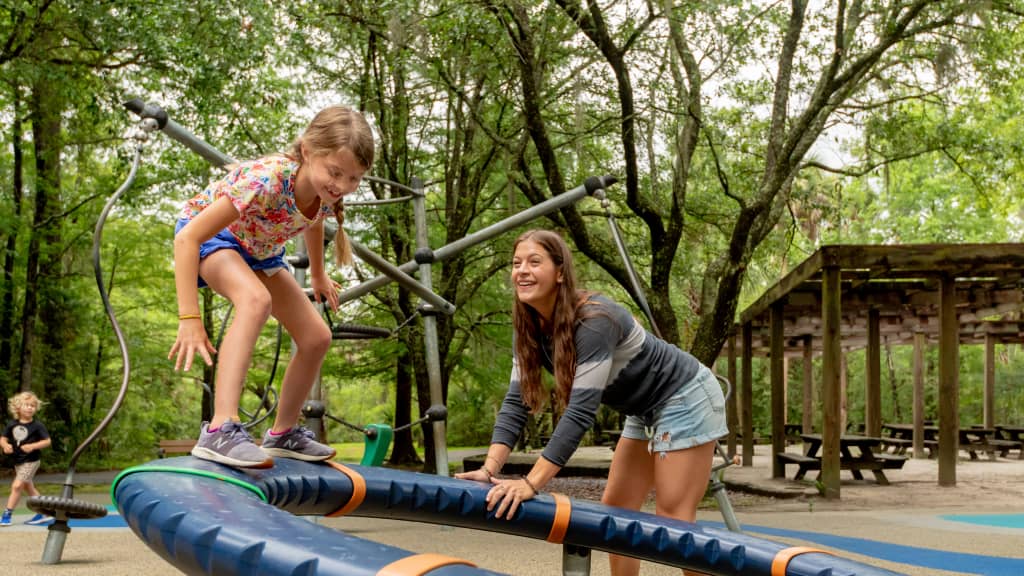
point(263, 192)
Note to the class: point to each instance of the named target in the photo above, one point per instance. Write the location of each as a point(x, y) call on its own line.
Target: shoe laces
point(237, 432)
point(305, 432)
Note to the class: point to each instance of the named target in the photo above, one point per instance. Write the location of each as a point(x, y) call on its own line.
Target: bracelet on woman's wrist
point(530, 484)
point(488, 472)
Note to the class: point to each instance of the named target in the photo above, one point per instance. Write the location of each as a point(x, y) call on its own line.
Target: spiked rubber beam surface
point(210, 519)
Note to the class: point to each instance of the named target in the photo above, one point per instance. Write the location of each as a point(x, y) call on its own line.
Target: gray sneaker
point(298, 443)
point(231, 445)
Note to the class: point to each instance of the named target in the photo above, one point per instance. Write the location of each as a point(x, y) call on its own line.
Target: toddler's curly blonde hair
point(16, 402)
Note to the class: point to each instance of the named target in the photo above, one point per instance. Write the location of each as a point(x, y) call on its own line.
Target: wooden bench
point(898, 445)
point(881, 462)
point(891, 461)
point(806, 463)
point(184, 446)
point(165, 447)
point(1004, 447)
point(974, 448)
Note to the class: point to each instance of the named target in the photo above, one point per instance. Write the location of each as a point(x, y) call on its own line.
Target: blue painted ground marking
point(913, 555)
point(1000, 520)
point(111, 520)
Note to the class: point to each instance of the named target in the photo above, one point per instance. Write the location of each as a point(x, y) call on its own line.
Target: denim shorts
point(226, 240)
point(692, 416)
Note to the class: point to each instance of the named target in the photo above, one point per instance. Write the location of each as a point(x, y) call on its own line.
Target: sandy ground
point(908, 512)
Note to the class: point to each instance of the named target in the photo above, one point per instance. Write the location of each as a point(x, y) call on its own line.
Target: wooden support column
point(778, 389)
point(732, 408)
point(747, 405)
point(808, 414)
point(920, 342)
point(831, 357)
point(949, 367)
point(785, 385)
point(844, 399)
point(990, 381)
point(873, 372)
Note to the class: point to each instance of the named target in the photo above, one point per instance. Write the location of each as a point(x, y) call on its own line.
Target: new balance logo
point(221, 442)
point(291, 444)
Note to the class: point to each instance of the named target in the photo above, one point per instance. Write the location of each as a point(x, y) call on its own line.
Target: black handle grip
point(148, 111)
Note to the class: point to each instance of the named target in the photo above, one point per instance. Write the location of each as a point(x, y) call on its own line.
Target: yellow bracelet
point(188, 316)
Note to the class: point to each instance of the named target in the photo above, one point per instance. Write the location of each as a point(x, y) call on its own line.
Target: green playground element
point(377, 441)
point(178, 470)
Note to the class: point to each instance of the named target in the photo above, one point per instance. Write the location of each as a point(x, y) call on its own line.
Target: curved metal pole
point(174, 130)
point(380, 202)
point(59, 508)
point(392, 183)
point(121, 341)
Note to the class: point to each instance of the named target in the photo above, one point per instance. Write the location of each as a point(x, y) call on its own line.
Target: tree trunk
point(55, 325)
point(403, 450)
point(7, 289)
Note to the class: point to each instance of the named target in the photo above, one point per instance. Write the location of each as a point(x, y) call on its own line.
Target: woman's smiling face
point(535, 277)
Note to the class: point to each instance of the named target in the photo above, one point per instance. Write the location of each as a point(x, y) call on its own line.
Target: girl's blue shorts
point(692, 416)
point(226, 240)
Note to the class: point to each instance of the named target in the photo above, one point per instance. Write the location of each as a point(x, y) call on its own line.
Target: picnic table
point(1011, 437)
point(900, 437)
point(856, 454)
point(976, 439)
point(972, 439)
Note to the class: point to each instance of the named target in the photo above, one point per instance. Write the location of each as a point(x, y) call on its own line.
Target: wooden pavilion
point(847, 297)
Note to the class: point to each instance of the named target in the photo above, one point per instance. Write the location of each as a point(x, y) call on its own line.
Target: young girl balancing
point(23, 439)
point(231, 237)
point(599, 354)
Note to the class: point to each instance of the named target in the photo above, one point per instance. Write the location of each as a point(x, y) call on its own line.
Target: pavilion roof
point(902, 283)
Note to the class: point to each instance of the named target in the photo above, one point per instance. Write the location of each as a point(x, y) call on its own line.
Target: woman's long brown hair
point(526, 323)
point(334, 128)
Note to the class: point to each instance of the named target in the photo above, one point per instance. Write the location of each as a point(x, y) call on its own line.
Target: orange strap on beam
point(358, 490)
point(419, 564)
point(563, 510)
point(781, 560)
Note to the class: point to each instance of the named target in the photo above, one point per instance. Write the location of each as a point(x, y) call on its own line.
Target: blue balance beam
point(205, 518)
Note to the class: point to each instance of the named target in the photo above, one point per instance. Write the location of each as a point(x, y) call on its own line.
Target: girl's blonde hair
point(332, 129)
point(16, 402)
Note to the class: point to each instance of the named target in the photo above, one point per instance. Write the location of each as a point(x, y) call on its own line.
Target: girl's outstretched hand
point(325, 290)
point(480, 475)
point(191, 340)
